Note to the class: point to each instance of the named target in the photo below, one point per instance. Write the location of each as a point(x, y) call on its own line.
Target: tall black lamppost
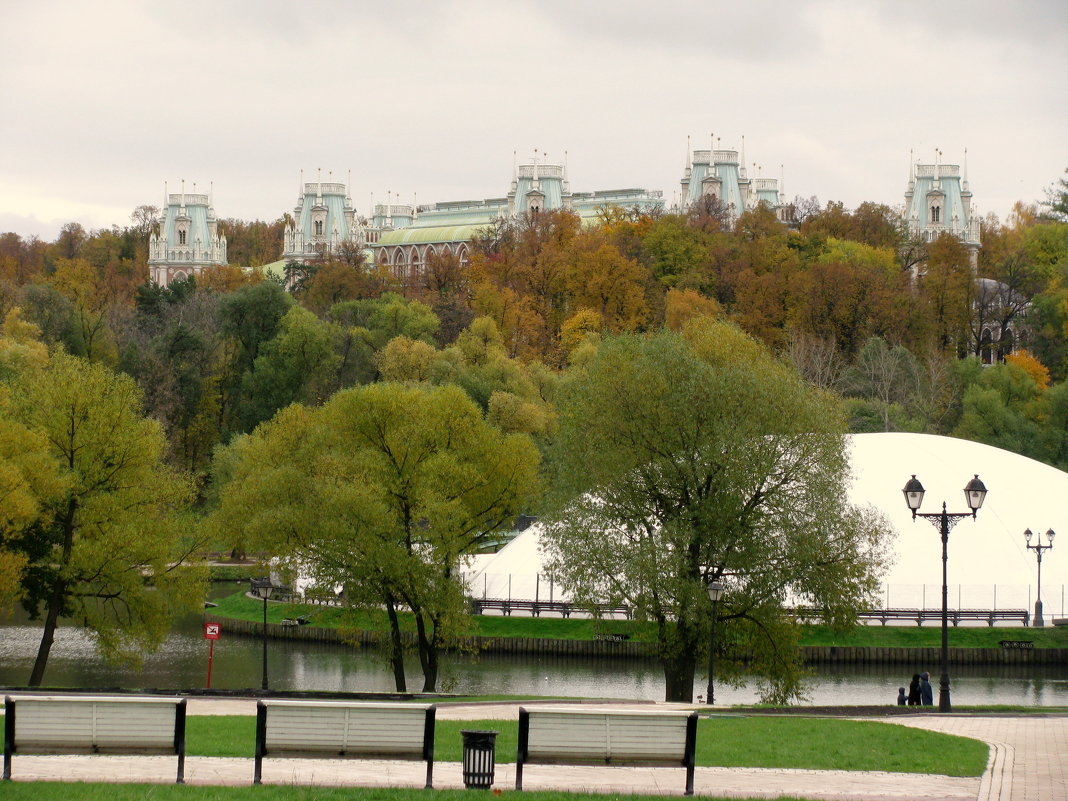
point(262, 588)
point(975, 493)
point(1038, 548)
point(715, 592)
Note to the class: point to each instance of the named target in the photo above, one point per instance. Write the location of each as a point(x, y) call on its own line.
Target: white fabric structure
point(985, 553)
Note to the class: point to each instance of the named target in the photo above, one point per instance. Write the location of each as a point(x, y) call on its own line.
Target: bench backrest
point(555, 734)
point(348, 728)
point(56, 724)
point(95, 724)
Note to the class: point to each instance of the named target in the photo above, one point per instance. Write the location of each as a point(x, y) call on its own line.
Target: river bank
point(609, 646)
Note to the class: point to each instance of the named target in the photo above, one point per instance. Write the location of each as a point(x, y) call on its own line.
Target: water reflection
point(293, 665)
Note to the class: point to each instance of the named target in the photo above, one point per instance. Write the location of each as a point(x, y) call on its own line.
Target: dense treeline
point(839, 297)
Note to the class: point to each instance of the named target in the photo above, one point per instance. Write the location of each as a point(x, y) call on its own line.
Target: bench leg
point(518, 775)
point(689, 779)
point(9, 735)
point(261, 741)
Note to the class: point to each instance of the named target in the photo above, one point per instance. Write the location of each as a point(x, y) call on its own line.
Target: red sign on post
point(211, 633)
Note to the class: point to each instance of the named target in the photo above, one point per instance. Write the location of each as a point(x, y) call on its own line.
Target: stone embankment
point(616, 648)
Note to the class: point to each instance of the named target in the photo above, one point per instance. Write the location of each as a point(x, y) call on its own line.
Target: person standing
point(926, 691)
point(914, 690)
point(902, 699)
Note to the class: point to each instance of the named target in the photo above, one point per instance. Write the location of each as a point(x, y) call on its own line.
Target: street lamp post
point(1038, 548)
point(715, 592)
point(975, 493)
point(262, 588)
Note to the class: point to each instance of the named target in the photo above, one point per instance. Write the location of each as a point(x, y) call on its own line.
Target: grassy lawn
point(722, 741)
point(242, 607)
point(50, 791)
point(875, 636)
point(930, 636)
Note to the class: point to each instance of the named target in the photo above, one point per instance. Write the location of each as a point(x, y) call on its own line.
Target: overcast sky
point(103, 102)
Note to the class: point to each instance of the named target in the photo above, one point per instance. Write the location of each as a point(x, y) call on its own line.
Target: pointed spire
point(965, 181)
point(319, 185)
point(536, 184)
point(300, 186)
point(782, 183)
point(686, 163)
point(348, 189)
point(743, 156)
point(182, 201)
point(515, 168)
point(166, 199)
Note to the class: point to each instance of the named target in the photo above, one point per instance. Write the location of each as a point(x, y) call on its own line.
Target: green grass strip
point(722, 741)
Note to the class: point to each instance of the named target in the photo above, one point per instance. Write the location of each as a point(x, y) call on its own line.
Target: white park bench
point(327, 729)
point(587, 736)
point(57, 724)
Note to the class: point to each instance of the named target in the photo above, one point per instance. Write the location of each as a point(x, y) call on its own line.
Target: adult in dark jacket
point(926, 691)
point(914, 690)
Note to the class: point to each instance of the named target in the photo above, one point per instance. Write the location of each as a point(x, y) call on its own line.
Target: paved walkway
point(1027, 764)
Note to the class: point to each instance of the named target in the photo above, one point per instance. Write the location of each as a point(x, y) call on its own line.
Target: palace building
point(187, 238)
point(403, 237)
point(938, 201)
point(721, 175)
point(323, 223)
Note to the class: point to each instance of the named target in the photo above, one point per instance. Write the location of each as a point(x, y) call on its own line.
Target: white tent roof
point(983, 553)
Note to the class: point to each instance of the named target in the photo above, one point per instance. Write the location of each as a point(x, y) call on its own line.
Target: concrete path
point(1027, 764)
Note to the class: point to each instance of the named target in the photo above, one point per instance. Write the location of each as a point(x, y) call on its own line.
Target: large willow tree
point(687, 459)
point(382, 490)
point(90, 516)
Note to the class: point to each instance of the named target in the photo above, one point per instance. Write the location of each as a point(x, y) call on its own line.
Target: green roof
point(426, 236)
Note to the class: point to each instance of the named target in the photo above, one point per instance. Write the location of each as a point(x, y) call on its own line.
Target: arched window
point(936, 212)
point(1006, 345)
point(181, 236)
point(318, 227)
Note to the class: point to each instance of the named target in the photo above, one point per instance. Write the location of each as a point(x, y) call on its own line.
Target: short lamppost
point(975, 493)
point(263, 588)
point(1038, 548)
point(715, 592)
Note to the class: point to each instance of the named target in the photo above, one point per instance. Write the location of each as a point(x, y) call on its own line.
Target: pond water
point(293, 665)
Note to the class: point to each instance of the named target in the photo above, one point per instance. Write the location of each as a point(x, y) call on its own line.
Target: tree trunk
point(396, 647)
point(678, 678)
point(48, 635)
point(428, 655)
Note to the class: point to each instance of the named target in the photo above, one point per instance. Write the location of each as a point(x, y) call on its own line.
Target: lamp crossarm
point(935, 518)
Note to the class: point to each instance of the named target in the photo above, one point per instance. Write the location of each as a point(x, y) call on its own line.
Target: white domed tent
point(989, 565)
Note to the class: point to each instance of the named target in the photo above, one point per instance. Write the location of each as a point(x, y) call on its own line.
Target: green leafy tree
point(107, 547)
point(381, 490)
point(683, 460)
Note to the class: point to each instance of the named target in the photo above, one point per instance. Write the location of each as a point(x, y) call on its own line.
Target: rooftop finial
point(743, 157)
point(686, 163)
point(965, 182)
point(782, 182)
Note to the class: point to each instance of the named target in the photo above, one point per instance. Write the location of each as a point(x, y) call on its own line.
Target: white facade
point(186, 240)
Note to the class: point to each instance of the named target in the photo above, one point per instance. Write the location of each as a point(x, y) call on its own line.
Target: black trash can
point(479, 747)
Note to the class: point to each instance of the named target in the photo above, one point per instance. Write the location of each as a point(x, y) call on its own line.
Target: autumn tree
point(105, 546)
point(382, 490)
point(683, 460)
